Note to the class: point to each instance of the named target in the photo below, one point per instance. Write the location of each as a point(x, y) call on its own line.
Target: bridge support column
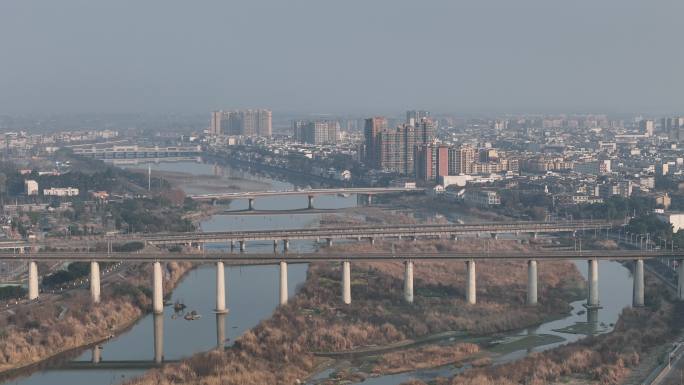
point(471, 286)
point(96, 354)
point(95, 281)
point(638, 288)
point(408, 281)
point(286, 244)
point(250, 204)
point(275, 245)
point(680, 280)
point(158, 338)
point(329, 242)
point(495, 236)
point(371, 240)
point(311, 202)
point(283, 283)
point(532, 282)
point(220, 288)
point(243, 246)
point(157, 289)
point(33, 280)
point(593, 297)
point(232, 245)
point(346, 282)
point(369, 200)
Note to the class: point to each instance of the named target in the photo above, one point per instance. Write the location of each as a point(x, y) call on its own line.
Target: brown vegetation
point(604, 359)
point(38, 331)
point(424, 357)
point(279, 350)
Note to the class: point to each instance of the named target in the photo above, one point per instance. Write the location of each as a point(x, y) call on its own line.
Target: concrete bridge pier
point(158, 338)
point(638, 288)
point(593, 297)
point(311, 202)
point(369, 199)
point(328, 242)
point(371, 240)
point(680, 280)
point(495, 236)
point(33, 281)
point(532, 282)
point(454, 237)
point(346, 282)
point(96, 354)
point(232, 245)
point(243, 246)
point(408, 281)
point(275, 245)
point(286, 244)
point(95, 281)
point(157, 289)
point(250, 204)
point(471, 286)
point(283, 283)
point(220, 288)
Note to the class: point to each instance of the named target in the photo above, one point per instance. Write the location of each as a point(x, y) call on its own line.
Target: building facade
point(256, 122)
point(316, 132)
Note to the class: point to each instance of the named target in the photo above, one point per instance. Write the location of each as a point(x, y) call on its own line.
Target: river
point(252, 295)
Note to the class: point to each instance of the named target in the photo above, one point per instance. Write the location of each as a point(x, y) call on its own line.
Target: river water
point(252, 295)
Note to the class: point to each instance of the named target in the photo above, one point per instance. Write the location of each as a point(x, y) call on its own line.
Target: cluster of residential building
point(250, 123)
point(23, 141)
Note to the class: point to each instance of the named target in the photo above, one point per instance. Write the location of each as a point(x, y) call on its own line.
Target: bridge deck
point(310, 192)
point(265, 258)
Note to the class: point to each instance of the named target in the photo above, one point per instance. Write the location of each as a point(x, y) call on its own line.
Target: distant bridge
point(310, 193)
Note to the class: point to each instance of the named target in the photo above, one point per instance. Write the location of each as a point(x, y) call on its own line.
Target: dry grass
point(279, 350)
point(424, 357)
point(35, 332)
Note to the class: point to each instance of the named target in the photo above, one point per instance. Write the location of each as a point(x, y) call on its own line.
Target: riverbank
point(44, 331)
point(610, 358)
point(280, 349)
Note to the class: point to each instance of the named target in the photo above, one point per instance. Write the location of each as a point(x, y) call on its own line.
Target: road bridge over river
point(220, 258)
point(412, 231)
point(310, 193)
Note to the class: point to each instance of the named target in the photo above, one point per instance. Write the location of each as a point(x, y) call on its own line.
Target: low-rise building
point(482, 198)
point(30, 187)
point(61, 191)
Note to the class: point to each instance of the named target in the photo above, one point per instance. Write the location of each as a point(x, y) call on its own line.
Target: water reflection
point(158, 338)
point(220, 330)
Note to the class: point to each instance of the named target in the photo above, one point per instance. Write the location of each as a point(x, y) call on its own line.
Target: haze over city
point(310, 192)
point(383, 56)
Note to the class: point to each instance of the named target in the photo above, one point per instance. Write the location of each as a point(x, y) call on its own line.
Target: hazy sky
point(357, 56)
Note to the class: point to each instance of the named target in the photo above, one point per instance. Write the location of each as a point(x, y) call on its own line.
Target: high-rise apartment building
point(372, 129)
point(647, 127)
point(394, 149)
point(674, 127)
point(215, 127)
point(431, 161)
point(241, 122)
point(413, 117)
point(461, 160)
point(316, 132)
